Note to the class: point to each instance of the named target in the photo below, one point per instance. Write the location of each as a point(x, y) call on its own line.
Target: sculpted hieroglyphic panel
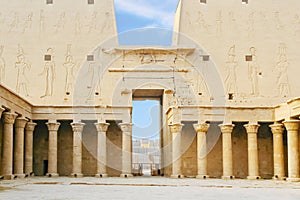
point(281, 71)
point(70, 66)
point(49, 73)
point(42, 22)
point(28, 22)
point(231, 65)
point(219, 23)
point(22, 66)
point(254, 72)
point(60, 24)
point(14, 23)
point(2, 65)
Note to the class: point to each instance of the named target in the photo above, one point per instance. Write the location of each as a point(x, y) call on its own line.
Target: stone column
point(253, 171)
point(176, 150)
point(19, 147)
point(52, 149)
point(226, 130)
point(292, 127)
point(77, 128)
point(201, 130)
point(277, 130)
point(29, 128)
point(101, 149)
point(7, 152)
point(126, 149)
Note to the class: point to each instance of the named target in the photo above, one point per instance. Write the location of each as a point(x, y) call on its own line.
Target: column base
point(52, 174)
point(280, 178)
point(176, 176)
point(19, 176)
point(77, 175)
point(126, 175)
point(8, 177)
point(293, 179)
point(101, 175)
point(253, 177)
point(228, 177)
point(202, 176)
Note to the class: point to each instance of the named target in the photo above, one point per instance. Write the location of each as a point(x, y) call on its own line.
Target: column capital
point(53, 126)
point(277, 128)
point(126, 127)
point(1, 111)
point(201, 128)
point(252, 128)
point(102, 126)
point(175, 128)
point(291, 125)
point(30, 126)
point(20, 122)
point(226, 128)
point(9, 118)
point(77, 126)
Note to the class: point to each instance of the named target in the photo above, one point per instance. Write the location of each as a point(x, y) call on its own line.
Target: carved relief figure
point(60, 23)
point(14, 23)
point(106, 25)
point(49, 73)
point(232, 21)
point(279, 25)
point(42, 21)
point(28, 22)
point(251, 25)
point(282, 76)
point(231, 66)
point(70, 67)
point(93, 22)
point(77, 24)
point(201, 21)
point(21, 65)
point(297, 25)
point(2, 64)
point(219, 23)
point(253, 72)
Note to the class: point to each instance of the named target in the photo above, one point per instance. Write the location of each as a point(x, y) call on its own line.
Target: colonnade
point(292, 127)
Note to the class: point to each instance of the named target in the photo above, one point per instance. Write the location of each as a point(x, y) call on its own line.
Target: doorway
point(146, 133)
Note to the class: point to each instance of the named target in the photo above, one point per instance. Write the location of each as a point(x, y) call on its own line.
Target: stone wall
point(65, 149)
point(1, 143)
point(89, 149)
point(114, 149)
point(40, 148)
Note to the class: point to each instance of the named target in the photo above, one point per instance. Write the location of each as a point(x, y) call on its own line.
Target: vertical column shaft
point(126, 149)
point(201, 130)
point(7, 153)
point(253, 170)
point(226, 130)
point(19, 147)
point(176, 150)
point(292, 127)
point(278, 155)
point(77, 128)
point(29, 128)
point(101, 149)
point(52, 150)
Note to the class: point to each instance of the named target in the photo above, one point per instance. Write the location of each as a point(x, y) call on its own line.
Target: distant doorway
point(146, 134)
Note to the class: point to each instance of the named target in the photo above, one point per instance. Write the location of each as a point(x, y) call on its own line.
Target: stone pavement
point(146, 188)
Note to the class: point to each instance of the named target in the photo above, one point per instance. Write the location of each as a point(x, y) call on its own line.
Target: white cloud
point(160, 11)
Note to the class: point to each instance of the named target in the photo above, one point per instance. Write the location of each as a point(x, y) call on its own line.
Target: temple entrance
point(146, 134)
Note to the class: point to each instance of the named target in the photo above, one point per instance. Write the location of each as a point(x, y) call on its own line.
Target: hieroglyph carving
point(13, 25)
point(219, 23)
point(2, 65)
point(60, 23)
point(70, 67)
point(49, 73)
point(254, 72)
point(93, 22)
point(28, 22)
point(42, 22)
point(231, 66)
point(281, 70)
point(21, 65)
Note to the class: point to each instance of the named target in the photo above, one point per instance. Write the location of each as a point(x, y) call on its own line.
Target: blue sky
point(138, 14)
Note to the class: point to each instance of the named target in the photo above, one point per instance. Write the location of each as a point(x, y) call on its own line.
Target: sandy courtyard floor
point(146, 188)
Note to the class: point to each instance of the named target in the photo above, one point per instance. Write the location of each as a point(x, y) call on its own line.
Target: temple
point(228, 89)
